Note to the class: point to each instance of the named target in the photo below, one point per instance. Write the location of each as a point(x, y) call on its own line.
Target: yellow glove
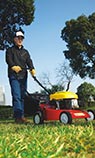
point(33, 72)
point(16, 68)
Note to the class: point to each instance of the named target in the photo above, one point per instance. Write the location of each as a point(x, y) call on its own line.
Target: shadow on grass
point(75, 122)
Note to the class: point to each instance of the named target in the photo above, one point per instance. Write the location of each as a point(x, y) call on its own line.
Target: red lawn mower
point(62, 106)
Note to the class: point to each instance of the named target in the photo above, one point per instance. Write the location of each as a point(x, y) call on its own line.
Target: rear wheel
point(65, 118)
point(38, 118)
point(92, 115)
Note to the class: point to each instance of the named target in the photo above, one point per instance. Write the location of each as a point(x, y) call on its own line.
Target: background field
point(50, 140)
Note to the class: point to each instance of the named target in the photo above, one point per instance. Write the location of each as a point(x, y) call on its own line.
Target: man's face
point(18, 41)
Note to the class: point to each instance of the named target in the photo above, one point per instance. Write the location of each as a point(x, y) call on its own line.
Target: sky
point(43, 41)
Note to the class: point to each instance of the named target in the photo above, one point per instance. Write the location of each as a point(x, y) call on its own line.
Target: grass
point(50, 140)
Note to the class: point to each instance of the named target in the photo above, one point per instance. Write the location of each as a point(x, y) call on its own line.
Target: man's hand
point(33, 72)
point(16, 68)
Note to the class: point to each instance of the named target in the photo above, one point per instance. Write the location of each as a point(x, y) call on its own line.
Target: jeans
point(18, 89)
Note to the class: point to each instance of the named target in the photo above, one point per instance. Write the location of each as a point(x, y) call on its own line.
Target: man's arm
point(10, 62)
point(9, 58)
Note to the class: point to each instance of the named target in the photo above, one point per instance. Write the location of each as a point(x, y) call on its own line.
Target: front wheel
point(38, 118)
point(65, 118)
point(92, 115)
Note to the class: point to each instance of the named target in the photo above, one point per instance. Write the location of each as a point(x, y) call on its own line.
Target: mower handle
point(35, 79)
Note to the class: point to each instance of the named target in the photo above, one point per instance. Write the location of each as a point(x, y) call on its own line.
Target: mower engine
point(74, 103)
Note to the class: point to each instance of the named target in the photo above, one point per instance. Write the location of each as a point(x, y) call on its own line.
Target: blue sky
point(42, 39)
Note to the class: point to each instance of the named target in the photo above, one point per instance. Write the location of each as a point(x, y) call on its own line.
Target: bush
point(6, 112)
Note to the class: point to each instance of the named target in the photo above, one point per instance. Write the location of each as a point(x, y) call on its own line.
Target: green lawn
point(51, 140)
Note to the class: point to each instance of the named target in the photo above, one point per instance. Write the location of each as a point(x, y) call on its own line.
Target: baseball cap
point(19, 33)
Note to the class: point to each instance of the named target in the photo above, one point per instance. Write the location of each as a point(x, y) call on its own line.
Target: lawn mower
point(62, 106)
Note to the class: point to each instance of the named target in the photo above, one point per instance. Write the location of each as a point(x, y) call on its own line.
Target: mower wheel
point(92, 115)
point(38, 118)
point(65, 118)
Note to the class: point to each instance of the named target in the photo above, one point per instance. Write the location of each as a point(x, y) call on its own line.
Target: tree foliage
point(86, 91)
point(79, 35)
point(54, 88)
point(13, 15)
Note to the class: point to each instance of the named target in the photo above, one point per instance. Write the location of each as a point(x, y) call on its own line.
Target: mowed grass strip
point(51, 140)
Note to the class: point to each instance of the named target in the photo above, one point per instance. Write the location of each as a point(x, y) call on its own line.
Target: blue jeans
point(18, 89)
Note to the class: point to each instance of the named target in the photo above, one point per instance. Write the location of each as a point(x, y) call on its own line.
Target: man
point(18, 60)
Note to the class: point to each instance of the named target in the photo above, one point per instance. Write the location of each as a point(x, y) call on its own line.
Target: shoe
point(22, 120)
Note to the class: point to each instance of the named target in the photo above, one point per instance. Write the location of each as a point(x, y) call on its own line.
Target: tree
point(79, 35)
point(65, 74)
point(86, 91)
point(13, 15)
point(52, 88)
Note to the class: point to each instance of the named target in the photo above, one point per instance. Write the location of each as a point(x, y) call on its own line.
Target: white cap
point(19, 33)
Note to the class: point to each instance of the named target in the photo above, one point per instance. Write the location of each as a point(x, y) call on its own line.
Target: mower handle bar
point(35, 79)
